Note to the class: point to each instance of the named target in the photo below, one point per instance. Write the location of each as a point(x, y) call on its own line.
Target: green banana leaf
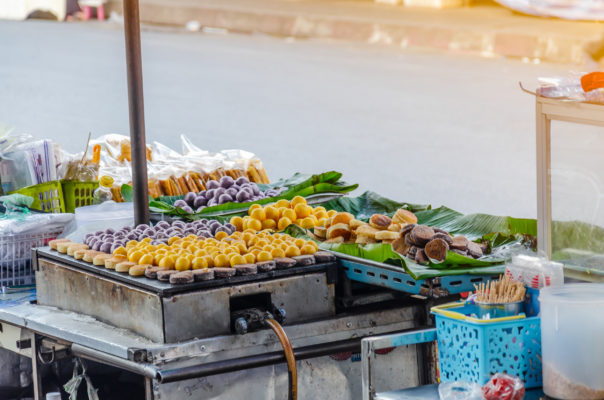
point(369, 203)
point(300, 185)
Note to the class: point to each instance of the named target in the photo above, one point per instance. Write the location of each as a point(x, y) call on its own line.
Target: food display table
point(430, 392)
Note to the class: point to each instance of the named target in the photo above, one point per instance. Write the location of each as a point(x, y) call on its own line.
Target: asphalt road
point(414, 126)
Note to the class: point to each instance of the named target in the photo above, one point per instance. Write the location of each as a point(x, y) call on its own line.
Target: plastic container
point(77, 194)
point(47, 196)
point(472, 349)
point(103, 192)
point(53, 396)
point(572, 325)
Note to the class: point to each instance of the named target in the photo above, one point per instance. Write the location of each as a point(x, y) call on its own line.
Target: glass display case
point(570, 186)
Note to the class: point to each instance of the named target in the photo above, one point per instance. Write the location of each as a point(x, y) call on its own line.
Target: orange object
point(96, 154)
point(592, 81)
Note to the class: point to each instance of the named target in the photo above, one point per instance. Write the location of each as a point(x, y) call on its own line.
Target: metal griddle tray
point(164, 289)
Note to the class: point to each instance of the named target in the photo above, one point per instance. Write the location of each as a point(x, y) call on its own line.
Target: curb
point(558, 48)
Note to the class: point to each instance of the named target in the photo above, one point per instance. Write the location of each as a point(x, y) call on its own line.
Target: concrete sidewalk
point(486, 30)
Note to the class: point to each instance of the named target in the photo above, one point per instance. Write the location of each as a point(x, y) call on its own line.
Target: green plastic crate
point(78, 194)
point(60, 196)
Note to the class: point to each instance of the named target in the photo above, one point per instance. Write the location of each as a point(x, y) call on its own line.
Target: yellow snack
point(199, 263)
point(221, 261)
point(236, 260)
point(269, 224)
point(253, 207)
point(182, 264)
point(331, 213)
point(200, 253)
point(283, 246)
point(307, 223)
point(146, 259)
point(209, 260)
point(237, 222)
point(231, 250)
point(284, 223)
point(292, 251)
point(320, 215)
point(172, 240)
point(298, 200)
point(258, 213)
point(146, 240)
point(322, 221)
point(255, 224)
point(308, 249)
point(282, 203)
point(120, 251)
point(278, 252)
point(271, 212)
point(221, 235)
point(157, 258)
point(302, 210)
point(131, 243)
point(313, 244)
point(264, 256)
point(138, 270)
point(289, 213)
point(299, 243)
point(319, 209)
point(249, 258)
point(167, 262)
point(135, 256)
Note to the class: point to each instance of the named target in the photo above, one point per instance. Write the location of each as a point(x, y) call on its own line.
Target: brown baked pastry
point(285, 262)
point(53, 243)
point(387, 235)
point(99, 259)
point(320, 232)
point(355, 223)
point(338, 230)
point(164, 275)
point(110, 263)
point(180, 278)
point(412, 252)
point(62, 246)
point(221, 273)
point(403, 217)
point(264, 266)
point(306, 259)
point(367, 230)
point(459, 243)
point(138, 270)
point(124, 266)
point(90, 254)
point(79, 254)
point(407, 229)
point(342, 218)
point(395, 227)
point(246, 269)
point(76, 246)
point(380, 221)
point(444, 236)
point(204, 274)
point(324, 256)
point(436, 249)
point(151, 271)
point(474, 250)
point(401, 246)
point(421, 234)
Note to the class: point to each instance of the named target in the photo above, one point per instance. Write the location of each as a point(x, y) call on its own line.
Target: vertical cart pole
point(544, 197)
point(137, 111)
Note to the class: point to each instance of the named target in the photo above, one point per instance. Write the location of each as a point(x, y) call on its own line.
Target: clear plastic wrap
point(535, 272)
point(568, 88)
point(589, 10)
point(460, 391)
point(503, 387)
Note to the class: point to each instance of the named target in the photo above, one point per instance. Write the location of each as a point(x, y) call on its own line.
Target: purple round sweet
point(230, 227)
point(188, 210)
point(212, 184)
point(88, 236)
point(219, 191)
point(242, 196)
point(200, 201)
point(242, 180)
point(180, 203)
point(232, 192)
point(226, 182)
point(178, 224)
point(224, 198)
point(98, 233)
point(106, 247)
point(204, 233)
point(190, 198)
point(212, 203)
point(109, 240)
point(255, 188)
point(96, 246)
point(109, 231)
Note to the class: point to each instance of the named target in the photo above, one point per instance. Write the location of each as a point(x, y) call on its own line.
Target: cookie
point(421, 234)
point(324, 256)
point(307, 259)
point(436, 249)
point(99, 259)
point(444, 236)
point(474, 250)
point(79, 254)
point(124, 266)
point(221, 273)
point(110, 263)
point(421, 257)
point(90, 254)
point(164, 275)
point(53, 243)
point(459, 243)
point(407, 229)
point(246, 269)
point(285, 262)
point(138, 270)
point(181, 278)
point(401, 246)
point(151, 271)
point(76, 246)
point(265, 266)
point(204, 274)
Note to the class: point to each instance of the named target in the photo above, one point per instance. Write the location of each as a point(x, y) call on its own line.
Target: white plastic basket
point(15, 256)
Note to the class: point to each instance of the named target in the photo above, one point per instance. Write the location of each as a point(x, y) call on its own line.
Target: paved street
point(415, 126)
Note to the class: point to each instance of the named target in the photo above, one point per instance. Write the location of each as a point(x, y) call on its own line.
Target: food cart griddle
point(169, 313)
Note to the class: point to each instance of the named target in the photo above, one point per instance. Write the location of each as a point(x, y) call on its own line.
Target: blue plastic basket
point(473, 350)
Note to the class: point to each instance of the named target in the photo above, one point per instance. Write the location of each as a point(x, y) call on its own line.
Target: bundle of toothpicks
point(504, 290)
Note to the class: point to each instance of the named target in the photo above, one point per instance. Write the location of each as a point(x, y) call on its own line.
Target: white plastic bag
point(462, 390)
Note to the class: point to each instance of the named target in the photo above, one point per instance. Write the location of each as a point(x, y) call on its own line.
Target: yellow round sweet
point(320, 214)
point(283, 246)
point(253, 207)
point(277, 253)
point(185, 243)
point(302, 210)
point(236, 260)
point(292, 251)
point(307, 223)
point(221, 261)
point(331, 213)
point(264, 256)
point(240, 246)
point(135, 256)
point(299, 243)
point(209, 260)
point(237, 222)
point(231, 250)
point(221, 235)
point(182, 264)
point(258, 213)
point(120, 251)
point(167, 262)
point(250, 258)
point(199, 263)
point(319, 209)
point(322, 221)
point(131, 243)
point(146, 240)
point(271, 212)
point(172, 240)
point(255, 224)
point(268, 248)
point(200, 253)
point(284, 223)
point(308, 249)
point(282, 203)
point(244, 224)
point(247, 237)
point(255, 252)
point(298, 200)
point(146, 259)
point(269, 224)
point(157, 258)
point(289, 213)
point(237, 235)
point(313, 244)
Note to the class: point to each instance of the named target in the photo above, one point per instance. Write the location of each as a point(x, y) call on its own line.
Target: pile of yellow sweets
point(281, 214)
point(191, 252)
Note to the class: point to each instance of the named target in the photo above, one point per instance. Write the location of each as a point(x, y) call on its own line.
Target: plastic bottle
point(103, 192)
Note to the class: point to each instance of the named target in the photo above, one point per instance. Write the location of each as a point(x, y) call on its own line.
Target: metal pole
point(137, 111)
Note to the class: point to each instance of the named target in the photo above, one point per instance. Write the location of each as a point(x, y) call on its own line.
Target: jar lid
point(106, 181)
point(575, 293)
